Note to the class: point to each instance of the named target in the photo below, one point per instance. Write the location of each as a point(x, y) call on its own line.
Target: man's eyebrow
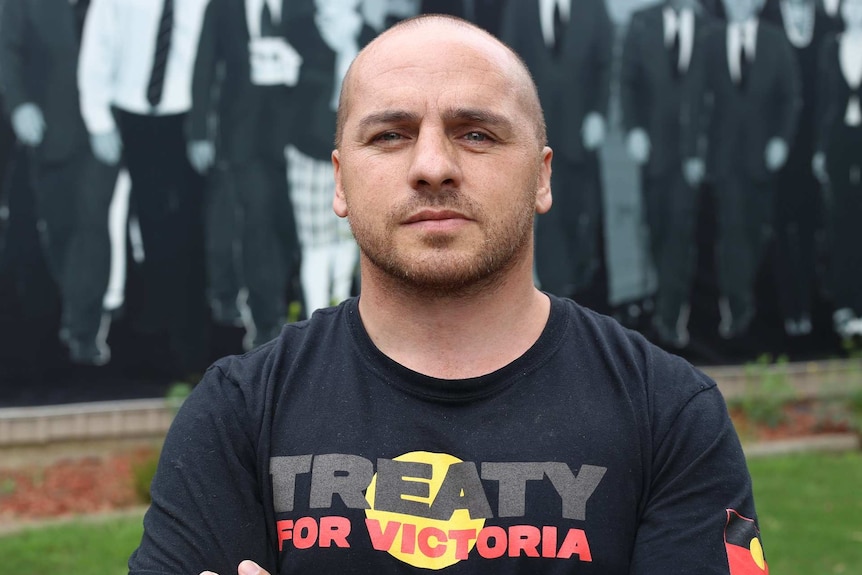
point(471, 115)
point(387, 117)
point(478, 116)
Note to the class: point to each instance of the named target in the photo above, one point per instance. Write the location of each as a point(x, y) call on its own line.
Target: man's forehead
point(433, 48)
point(445, 99)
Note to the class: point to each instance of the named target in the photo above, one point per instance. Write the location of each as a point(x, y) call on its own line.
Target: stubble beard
point(440, 269)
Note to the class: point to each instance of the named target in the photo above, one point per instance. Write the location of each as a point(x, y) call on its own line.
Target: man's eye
point(476, 136)
point(388, 137)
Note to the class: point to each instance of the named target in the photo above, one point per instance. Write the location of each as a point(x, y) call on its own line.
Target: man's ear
point(543, 184)
point(339, 203)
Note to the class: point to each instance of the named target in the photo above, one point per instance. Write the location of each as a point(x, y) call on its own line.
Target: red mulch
point(801, 418)
point(71, 487)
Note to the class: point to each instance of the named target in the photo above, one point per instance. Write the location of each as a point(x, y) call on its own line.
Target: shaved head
point(449, 28)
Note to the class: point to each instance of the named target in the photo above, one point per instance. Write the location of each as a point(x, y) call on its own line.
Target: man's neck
point(453, 337)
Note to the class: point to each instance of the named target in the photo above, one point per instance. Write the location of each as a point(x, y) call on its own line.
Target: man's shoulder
point(643, 366)
point(268, 362)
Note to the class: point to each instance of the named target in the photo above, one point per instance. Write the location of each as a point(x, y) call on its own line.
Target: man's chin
point(448, 276)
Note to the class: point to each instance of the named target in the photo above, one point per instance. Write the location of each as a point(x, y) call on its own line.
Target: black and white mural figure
point(134, 77)
point(39, 46)
point(749, 95)
point(661, 47)
point(798, 205)
point(567, 45)
point(328, 40)
point(247, 59)
point(838, 163)
point(832, 9)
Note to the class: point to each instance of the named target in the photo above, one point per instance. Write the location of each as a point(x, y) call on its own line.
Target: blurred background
point(165, 180)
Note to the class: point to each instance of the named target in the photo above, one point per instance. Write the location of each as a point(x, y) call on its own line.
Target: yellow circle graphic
point(420, 541)
point(757, 552)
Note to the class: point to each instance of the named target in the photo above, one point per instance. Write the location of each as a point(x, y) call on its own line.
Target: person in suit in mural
point(246, 40)
point(661, 47)
point(135, 76)
point(838, 164)
point(798, 199)
point(327, 41)
point(39, 46)
point(751, 84)
point(567, 45)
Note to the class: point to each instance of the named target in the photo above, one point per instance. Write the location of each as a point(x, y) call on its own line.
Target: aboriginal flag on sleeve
point(744, 547)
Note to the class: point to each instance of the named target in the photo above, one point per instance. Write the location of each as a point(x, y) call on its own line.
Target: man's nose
point(435, 164)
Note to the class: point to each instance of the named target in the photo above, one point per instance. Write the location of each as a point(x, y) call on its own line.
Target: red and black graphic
point(744, 547)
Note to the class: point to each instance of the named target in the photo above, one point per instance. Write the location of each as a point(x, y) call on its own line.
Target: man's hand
point(694, 170)
point(818, 166)
point(201, 155)
point(593, 131)
point(776, 154)
point(245, 568)
point(639, 146)
point(107, 147)
point(28, 124)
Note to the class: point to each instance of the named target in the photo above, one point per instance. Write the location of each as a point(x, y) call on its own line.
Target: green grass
point(810, 509)
point(80, 547)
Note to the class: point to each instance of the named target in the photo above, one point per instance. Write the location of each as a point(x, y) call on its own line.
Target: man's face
point(740, 10)
point(440, 170)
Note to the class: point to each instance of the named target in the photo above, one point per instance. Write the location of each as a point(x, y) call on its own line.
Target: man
point(135, 80)
point(752, 85)
point(247, 41)
point(658, 54)
point(38, 62)
point(471, 423)
point(567, 45)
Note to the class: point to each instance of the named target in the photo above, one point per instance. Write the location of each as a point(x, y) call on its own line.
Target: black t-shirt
point(594, 452)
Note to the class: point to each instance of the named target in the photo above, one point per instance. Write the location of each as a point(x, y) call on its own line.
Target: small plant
point(8, 486)
point(142, 477)
point(854, 408)
point(767, 391)
point(177, 394)
point(294, 311)
point(852, 348)
point(834, 415)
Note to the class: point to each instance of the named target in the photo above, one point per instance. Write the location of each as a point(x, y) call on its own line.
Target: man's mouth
point(437, 220)
point(435, 215)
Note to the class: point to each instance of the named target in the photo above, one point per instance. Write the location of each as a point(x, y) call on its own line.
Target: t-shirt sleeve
point(207, 508)
point(699, 515)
